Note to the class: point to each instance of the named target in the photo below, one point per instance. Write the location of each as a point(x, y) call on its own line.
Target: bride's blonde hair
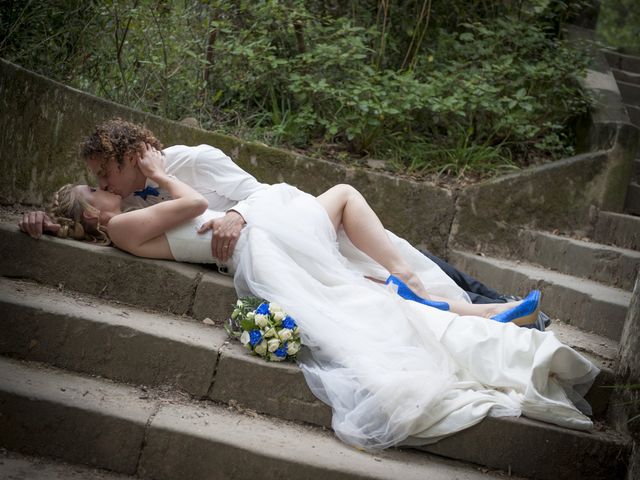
point(67, 209)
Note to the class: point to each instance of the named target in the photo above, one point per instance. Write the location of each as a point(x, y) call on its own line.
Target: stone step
point(624, 76)
point(125, 344)
point(89, 335)
point(151, 434)
point(632, 203)
point(634, 114)
point(109, 273)
point(617, 229)
point(238, 376)
point(16, 466)
point(591, 306)
point(621, 61)
point(613, 266)
point(630, 93)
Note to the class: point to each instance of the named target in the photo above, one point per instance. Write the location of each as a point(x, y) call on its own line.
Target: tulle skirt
point(395, 371)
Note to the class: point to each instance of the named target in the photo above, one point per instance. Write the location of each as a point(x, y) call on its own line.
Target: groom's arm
point(217, 172)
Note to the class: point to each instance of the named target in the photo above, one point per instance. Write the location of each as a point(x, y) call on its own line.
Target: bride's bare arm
point(133, 231)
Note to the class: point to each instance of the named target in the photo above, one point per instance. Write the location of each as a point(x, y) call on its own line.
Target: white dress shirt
point(208, 171)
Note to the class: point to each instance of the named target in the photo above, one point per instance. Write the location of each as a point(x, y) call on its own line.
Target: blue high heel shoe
point(405, 292)
point(523, 314)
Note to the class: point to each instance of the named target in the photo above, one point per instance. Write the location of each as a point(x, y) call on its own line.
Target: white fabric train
point(394, 371)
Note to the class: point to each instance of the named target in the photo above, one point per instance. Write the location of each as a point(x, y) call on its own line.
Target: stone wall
point(624, 406)
point(42, 121)
point(559, 195)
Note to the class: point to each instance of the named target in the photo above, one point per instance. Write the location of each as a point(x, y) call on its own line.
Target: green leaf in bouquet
point(247, 324)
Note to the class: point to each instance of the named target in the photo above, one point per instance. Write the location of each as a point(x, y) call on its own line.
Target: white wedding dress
point(393, 371)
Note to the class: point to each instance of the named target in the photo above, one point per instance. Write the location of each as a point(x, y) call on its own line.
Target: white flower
point(250, 315)
point(239, 303)
point(261, 348)
point(296, 331)
point(274, 308)
point(292, 348)
point(271, 332)
point(273, 345)
point(261, 320)
point(278, 317)
point(274, 358)
point(285, 334)
point(244, 338)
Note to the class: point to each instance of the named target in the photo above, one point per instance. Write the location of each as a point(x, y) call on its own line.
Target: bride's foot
point(521, 313)
point(412, 281)
point(406, 292)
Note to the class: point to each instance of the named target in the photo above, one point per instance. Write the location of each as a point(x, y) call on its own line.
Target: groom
point(112, 152)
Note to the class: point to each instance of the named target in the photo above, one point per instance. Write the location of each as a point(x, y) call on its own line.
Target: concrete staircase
point(106, 362)
point(586, 283)
point(626, 70)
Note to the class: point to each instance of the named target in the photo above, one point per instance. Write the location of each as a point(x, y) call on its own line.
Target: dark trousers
point(478, 291)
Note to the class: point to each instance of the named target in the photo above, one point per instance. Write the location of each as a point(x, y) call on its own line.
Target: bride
point(393, 345)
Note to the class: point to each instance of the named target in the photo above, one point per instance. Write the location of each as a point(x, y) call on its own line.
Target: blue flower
point(289, 323)
point(263, 309)
point(282, 351)
point(254, 337)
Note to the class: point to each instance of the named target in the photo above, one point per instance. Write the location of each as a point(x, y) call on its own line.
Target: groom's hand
point(226, 231)
point(35, 223)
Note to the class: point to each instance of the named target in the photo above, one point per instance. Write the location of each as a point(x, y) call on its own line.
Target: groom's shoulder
point(195, 153)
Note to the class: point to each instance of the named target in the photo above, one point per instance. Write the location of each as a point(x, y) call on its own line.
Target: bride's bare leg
point(347, 207)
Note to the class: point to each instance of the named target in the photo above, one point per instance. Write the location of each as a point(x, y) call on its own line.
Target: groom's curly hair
point(113, 139)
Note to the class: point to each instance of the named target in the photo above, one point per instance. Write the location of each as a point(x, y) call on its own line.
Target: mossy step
point(16, 466)
point(617, 229)
point(125, 344)
point(612, 266)
point(634, 114)
point(43, 330)
point(624, 76)
point(630, 93)
point(632, 203)
point(586, 304)
point(168, 286)
point(153, 434)
point(621, 61)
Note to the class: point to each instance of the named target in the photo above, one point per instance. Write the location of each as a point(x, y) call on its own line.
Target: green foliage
point(444, 87)
point(619, 24)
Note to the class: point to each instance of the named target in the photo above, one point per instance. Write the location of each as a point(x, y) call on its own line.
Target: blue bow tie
point(147, 191)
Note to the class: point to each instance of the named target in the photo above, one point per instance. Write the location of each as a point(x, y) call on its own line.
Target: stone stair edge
point(581, 302)
point(16, 466)
point(617, 228)
point(586, 241)
point(214, 294)
point(237, 373)
point(163, 326)
point(109, 273)
point(163, 429)
point(93, 336)
point(581, 257)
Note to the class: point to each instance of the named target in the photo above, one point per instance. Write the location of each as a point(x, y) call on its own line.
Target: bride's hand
point(151, 162)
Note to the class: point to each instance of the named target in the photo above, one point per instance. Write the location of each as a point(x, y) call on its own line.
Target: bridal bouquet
point(264, 329)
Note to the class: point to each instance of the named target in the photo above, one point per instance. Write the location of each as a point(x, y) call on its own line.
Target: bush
point(455, 88)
